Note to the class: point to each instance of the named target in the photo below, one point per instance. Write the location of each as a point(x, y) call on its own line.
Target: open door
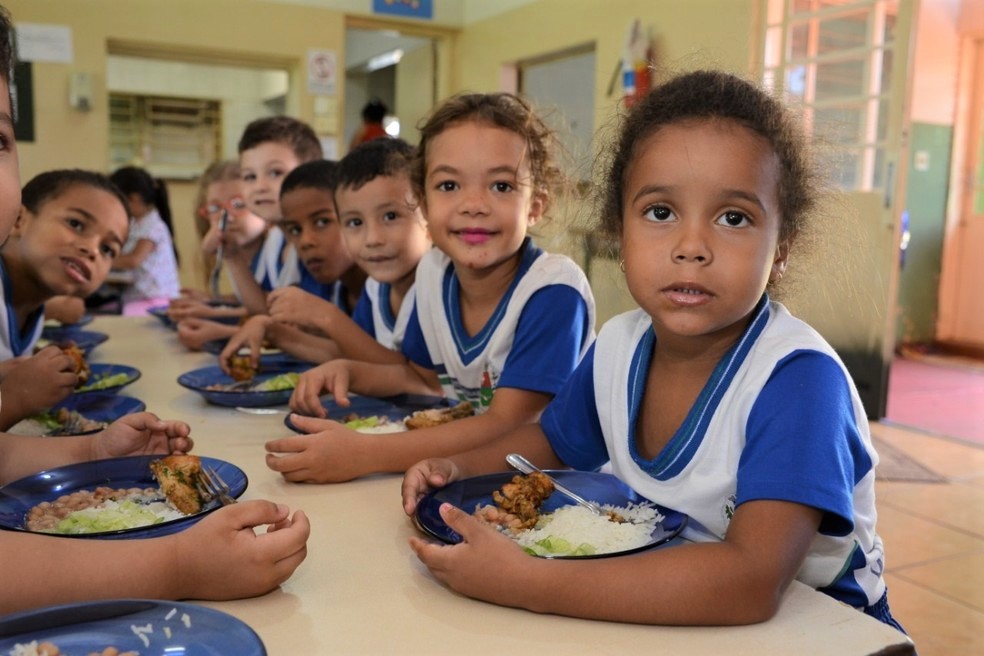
point(961, 315)
point(847, 65)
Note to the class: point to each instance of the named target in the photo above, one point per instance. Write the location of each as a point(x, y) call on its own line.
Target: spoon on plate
point(520, 463)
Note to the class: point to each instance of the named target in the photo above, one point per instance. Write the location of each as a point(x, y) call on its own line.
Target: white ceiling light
point(382, 61)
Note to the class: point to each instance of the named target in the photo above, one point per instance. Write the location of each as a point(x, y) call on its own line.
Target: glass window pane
point(796, 82)
point(840, 79)
point(842, 125)
point(835, 33)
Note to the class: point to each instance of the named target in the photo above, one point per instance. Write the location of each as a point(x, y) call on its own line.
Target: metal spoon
point(213, 279)
point(520, 463)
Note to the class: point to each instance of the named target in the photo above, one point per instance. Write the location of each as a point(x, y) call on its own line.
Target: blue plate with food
point(271, 385)
point(52, 324)
point(108, 378)
point(78, 415)
point(391, 414)
point(84, 339)
point(560, 528)
point(116, 498)
point(142, 626)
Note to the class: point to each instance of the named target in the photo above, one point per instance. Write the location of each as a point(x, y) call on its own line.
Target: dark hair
point(295, 134)
point(319, 174)
point(706, 95)
point(374, 111)
point(151, 190)
point(51, 184)
point(6, 45)
point(386, 157)
point(503, 110)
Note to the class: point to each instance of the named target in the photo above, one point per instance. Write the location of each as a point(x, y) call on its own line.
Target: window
point(834, 59)
point(174, 138)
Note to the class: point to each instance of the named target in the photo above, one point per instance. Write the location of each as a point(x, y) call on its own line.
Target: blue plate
point(54, 325)
point(394, 408)
point(99, 371)
point(594, 486)
point(96, 406)
point(87, 627)
point(198, 380)
point(84, 339)
point(17, 498)
point(160, 311)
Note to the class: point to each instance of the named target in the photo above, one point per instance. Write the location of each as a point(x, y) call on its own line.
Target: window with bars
point(834, 59)
point(173, 138)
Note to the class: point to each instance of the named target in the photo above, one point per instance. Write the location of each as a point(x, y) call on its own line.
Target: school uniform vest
point(388, 330)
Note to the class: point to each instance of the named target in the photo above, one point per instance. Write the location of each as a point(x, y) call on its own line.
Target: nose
point(374, 233)
point(475, 203)
point(88, 247)
point(692, 244)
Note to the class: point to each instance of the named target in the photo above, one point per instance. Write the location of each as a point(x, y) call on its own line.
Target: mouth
point(313, 264)
point(687, 293)
point(77, 270)
point(474, 235)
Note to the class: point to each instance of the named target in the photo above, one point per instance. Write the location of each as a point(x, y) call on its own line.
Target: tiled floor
point(934, 543)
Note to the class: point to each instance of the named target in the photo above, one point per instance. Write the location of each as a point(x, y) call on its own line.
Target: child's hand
point(333, 455)
point(425, 476)
point(330, 377)
point(195, 332)
point(40, 381)
point(183, 308)
point(296, 306)
point(251, 335)
point(485, 565)
point(222, 557)
point(8, 365)
point(142, 433)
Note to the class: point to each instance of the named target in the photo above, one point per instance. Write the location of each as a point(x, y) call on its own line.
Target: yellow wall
point(243, 31)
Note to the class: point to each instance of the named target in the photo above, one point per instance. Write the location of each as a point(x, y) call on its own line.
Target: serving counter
point(362, 590)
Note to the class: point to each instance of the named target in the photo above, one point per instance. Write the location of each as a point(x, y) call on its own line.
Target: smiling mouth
point(473, 235)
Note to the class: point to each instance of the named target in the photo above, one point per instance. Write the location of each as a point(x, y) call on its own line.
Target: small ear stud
point(621, 265)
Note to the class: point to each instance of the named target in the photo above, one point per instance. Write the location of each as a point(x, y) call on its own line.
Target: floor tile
point(938, 626)
point(947, 457)
point(955, 505)
point(960, 578)
point(911, 540)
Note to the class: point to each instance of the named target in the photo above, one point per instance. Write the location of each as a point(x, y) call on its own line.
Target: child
point(39, 570)
point(330, 284)
point(383, 229)
point(269, 149)
point(498, 323)
point(709, 399)
point(149, 251)
point(71, 226)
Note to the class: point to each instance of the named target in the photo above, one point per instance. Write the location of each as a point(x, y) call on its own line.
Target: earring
point(621, 265)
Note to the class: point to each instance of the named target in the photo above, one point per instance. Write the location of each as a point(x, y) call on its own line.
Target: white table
point(361, 589)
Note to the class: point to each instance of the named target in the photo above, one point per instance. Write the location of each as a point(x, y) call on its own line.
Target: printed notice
point(44, 43)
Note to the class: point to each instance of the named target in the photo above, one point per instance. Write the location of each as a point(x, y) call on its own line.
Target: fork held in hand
point(213, 279)
point(212, 487)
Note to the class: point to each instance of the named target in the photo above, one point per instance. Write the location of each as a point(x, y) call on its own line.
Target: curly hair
point(715, 95)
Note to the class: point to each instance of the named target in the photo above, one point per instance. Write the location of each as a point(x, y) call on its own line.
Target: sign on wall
point(322, 72)
point(411, 8)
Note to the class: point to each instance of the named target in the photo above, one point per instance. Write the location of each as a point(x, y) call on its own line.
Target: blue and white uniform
point(539, 331)
point(14, 342)
point(275, 264)
point(374, 315)
point(779, 418)
point(333, 292)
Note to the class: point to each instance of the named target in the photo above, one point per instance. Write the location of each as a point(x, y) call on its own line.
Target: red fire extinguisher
point(635, 64)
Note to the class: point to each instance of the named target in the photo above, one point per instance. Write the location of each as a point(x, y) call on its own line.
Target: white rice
point(579, 526)
point(386, 427)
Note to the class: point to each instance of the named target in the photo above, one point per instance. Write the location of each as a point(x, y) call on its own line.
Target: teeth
point(693, 292)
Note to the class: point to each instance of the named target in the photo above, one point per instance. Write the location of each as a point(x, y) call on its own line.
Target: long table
point(362, 590)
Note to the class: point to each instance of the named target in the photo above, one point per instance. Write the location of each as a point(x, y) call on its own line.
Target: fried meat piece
point(81, 367)
point(438, 416)
point(241, 368)
point(177, 476)
point(523, 496)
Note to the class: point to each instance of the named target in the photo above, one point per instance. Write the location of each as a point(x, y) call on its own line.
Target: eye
point(213, 208)
point(390, 216)
point(446, 185)
point(322, 222)
point(658, 213)
point(75, 224)
point(108, 250)
point(353, 223)
point(734, 219)
point(275, 173)
point(503, 187)
point(292, 229)
point(249, 177)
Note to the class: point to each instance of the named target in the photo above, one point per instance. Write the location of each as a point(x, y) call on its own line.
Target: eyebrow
point(725, 194)
point(447, 168)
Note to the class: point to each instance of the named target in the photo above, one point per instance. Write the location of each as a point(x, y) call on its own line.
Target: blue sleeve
point(571, 422)
point(414, 346)
point(363, 314)
point(550, 335)
point(803, 443)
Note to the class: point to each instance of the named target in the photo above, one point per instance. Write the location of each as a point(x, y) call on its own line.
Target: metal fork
point(213, 278)
point(211, 486)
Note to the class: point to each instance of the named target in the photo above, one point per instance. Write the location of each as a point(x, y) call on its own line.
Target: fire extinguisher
point(635, 64)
